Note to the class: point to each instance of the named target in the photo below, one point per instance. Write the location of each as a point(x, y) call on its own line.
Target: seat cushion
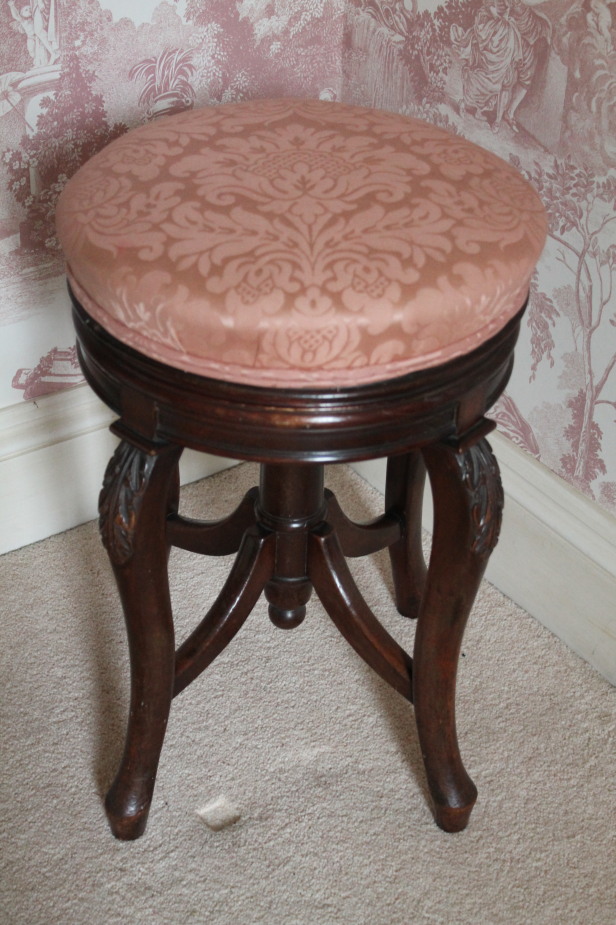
point(298, 243)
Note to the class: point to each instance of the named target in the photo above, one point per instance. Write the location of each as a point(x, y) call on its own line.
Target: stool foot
point(125, 822)
point(468, 503)
point(454, 818)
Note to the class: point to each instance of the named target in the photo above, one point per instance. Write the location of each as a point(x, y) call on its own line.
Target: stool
point(298, 283)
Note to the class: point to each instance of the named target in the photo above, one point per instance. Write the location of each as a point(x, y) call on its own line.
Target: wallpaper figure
point(500, 54)
point(535, 32)
point(39, 26)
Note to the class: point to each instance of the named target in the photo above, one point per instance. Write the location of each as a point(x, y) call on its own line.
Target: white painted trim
point(33, 425)
point(53, 453)
point(556, 556)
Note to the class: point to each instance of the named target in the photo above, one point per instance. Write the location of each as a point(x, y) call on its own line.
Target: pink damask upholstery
point(295, 243)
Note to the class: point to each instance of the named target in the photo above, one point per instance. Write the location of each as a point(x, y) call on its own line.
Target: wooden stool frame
point(290, 535)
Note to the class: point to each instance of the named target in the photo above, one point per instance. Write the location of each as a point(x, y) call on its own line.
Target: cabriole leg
point(468, 502)
point(138, 491)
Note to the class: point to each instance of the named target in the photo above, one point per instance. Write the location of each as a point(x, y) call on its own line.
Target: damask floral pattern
point(287, 242)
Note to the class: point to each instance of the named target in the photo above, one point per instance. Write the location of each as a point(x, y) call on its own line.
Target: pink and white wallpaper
point(533, 81)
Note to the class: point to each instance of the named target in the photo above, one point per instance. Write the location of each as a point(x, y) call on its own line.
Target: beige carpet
point(316, 753)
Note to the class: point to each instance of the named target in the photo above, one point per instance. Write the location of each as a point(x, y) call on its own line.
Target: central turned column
point(291, 503)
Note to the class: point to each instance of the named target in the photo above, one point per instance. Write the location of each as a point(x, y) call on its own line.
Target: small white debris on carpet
point(219, 814)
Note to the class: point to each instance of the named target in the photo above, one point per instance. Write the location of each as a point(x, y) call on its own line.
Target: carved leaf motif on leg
point(481, 477)
point(124, 485)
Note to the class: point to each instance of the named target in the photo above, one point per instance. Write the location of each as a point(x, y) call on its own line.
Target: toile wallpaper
point(532, 80)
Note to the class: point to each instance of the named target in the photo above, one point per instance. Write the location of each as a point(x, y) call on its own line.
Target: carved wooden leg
point(468, 503)
point(137, 491)
point(404, 495)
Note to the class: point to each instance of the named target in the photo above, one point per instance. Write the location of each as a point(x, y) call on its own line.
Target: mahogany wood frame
point(290, 535)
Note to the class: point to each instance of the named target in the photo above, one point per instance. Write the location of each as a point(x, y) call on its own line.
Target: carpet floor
point(316, 754)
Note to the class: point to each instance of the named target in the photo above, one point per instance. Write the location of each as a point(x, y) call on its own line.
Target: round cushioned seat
point(288, 243)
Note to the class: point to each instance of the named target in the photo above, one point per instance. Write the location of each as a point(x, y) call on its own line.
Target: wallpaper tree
point(582, 213)
point(71, 128)
point(224, 46)
point(299, 44)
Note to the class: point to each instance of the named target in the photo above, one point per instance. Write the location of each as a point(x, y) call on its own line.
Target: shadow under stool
point(299, 282)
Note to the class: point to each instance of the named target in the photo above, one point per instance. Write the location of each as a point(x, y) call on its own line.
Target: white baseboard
point(53, 454)
point(556, 556)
